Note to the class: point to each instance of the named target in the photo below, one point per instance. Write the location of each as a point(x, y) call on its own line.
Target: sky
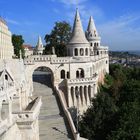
point(117, 21)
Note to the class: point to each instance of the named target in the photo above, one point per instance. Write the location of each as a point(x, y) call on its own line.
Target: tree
point(18, 41)
point(58, 38)
point(115, 112)
point(100, 118)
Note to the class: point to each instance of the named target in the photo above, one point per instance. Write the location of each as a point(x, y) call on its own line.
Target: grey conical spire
point(39, 43)
point(78, 35)
point(92, 28)
point(39, 47)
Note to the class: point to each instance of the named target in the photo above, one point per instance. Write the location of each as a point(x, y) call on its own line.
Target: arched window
point(81, 51)
point(68, 75)
point(76, 52)
point(86, 51)
point(94, 44)
point(77, 74)
point(82, 75)
point(6, 77)
point(62, 74)
point(91, 44)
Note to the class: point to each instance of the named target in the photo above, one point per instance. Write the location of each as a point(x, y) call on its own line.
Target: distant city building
point(28, 50)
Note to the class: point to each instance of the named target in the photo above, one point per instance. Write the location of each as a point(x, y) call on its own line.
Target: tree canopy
point(18, 41)
point(58, 38)
point(115, 111)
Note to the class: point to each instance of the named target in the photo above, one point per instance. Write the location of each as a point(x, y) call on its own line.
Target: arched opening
point(80, 73)
point(81, 52)
point(42, 77)
point(77, 74)
point(81, 94)
point(6, 77)
point(85, 94)
point(76, 52)
point(62, 75)
point(76, 94)
point(89, 92)
point(86, 51)
point(72, 95)
point(68, 75)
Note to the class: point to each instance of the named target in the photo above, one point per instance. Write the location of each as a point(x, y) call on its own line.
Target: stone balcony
point(25, 118)
point(81, 81)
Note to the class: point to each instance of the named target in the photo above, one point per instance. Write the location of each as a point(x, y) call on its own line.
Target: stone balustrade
point(31, 112)
point(82, 80)
point(31, 60)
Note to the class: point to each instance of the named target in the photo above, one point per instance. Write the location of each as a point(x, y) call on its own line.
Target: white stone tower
point(39, 47)
point(93, 37)
point(78, 45)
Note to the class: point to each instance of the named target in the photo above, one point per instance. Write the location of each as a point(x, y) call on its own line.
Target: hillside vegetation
point(115, 111)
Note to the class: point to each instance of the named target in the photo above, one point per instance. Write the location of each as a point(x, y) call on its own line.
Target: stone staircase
point(52, 123)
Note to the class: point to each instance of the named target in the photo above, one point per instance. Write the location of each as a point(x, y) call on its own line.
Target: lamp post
point(77, 114)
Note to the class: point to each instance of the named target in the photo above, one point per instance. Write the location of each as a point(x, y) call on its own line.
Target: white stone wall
point(6, 47)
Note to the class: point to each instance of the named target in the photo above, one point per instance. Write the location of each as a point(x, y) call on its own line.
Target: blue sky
point(117, 21)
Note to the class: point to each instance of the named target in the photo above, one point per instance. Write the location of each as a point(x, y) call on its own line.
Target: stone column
point(69, 97)
point(88, 101)
point(74, 97)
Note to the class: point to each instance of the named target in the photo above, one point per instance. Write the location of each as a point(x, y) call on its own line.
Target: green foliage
point(58, 38)
point(115, 112)
point(18, 41)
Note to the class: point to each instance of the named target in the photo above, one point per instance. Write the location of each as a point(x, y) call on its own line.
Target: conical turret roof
point(92, 28)
point(78, 35)
point(39, 43)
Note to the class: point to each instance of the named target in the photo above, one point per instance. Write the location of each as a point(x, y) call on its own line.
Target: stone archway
point(43, 75)
point(31, 68)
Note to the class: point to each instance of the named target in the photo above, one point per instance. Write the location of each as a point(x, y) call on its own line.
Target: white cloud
point(121, 33)
point(70, 2)
point(11, 21)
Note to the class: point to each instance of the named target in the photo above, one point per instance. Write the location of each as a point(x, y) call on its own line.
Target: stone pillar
point(88, 102)
point(74, 97)
point(69, 98)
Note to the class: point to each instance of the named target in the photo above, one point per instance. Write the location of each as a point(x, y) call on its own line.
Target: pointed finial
point(91, 27)
point(78, 35)
point(20, 54)
point(53, 50)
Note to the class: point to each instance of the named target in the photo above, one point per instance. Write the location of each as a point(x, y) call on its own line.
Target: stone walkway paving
point(51, 124)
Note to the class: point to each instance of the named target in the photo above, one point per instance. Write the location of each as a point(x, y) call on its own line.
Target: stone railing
point(82, 80)
point(38, 58)
point(76, 135)
point(67, 113)
point(60, 60)
point(30, 113)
